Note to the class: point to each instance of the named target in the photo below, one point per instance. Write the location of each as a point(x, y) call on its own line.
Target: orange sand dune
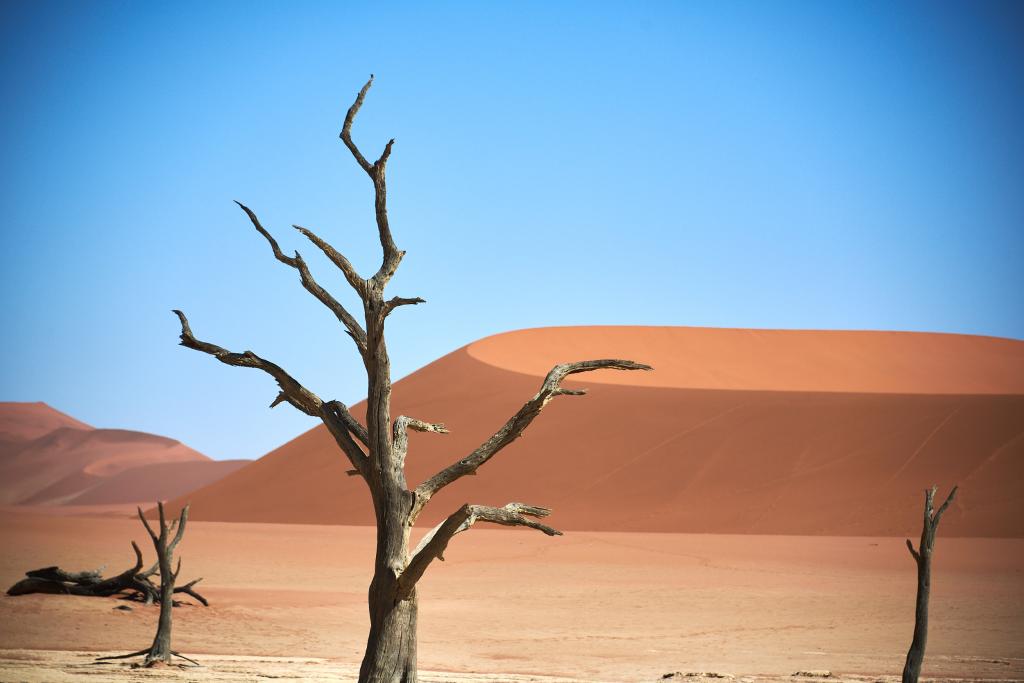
point(772, 360)
point(60, 465)
point(156, 481)
point(759, 452)
point(25, 421)
point(49, 458)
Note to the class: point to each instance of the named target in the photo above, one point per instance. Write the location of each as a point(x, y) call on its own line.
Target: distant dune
point(156, 481)
point(49, 458)
point(736, 431)
point(25, 421)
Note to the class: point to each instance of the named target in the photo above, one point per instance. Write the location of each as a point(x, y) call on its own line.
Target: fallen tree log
point(133, 583)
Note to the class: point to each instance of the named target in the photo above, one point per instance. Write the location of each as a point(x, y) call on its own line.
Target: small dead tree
point(377, 451)
point(923, 557)
point(160, 651)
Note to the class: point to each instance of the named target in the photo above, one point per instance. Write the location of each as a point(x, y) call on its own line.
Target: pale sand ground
point(587, 606)
point(61, 666)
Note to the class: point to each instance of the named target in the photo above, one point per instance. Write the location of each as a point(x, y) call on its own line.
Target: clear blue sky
point(757, 164)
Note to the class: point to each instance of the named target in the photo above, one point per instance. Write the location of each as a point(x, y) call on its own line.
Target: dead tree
point(160, 651)
point(377, 450)
point(923, 557)
point(131, 584)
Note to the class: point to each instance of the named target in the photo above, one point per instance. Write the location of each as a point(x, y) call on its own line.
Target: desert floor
point(288, 601)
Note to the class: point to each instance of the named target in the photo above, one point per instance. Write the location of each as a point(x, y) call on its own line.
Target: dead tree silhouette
point(377, 451)
point(923, 557)
point(160, 651)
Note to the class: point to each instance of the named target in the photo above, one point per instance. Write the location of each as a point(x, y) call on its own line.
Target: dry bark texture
point(377, 450)
point(923, 557)
point(160, 651)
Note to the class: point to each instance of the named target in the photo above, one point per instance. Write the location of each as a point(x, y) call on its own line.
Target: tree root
point(149, 662)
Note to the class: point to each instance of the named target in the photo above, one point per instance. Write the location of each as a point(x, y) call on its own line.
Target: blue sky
point(792, 165)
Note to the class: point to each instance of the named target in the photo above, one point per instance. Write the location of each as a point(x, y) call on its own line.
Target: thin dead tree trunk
point(923, 557)
point(160, 651)
point(377, 450)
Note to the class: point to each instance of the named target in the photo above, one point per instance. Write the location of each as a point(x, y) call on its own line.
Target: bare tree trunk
point(160, 650)
point(923, 557)
point(378, 450)
point(390, 655)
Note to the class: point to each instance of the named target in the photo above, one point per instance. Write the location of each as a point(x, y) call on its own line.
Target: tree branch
point(403, 423)
point(151, 571)
point(376, 171)
point(180, 532)
point(353, 327)
point(515, 425)
point(352, 424)
point(346, 129)
point(949, 499)
point(394, 302)
point(138, 559)
point(342, 427)
point(145, 523)
point(189, 589)
point(302, 398)
point(436, 541)
point(338, 259)
point(400, 433)
point(910, 547)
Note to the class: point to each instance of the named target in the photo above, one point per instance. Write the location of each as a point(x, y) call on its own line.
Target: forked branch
point(515, 426)
point(436, 541)
point(353, 327)
point(376, 171)
point(931, 523)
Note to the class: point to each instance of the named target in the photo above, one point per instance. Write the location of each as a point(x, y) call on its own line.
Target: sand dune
point(58, 466)
point(156, 481)
point(25, 421)
point(773, 360)
point(838, 438)
point(52, 459)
